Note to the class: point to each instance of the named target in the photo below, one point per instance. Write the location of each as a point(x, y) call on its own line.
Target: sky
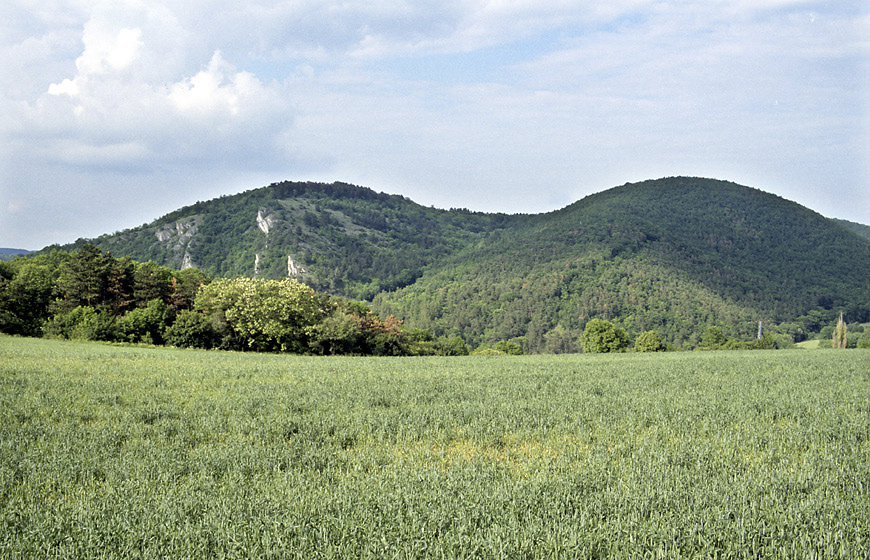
point(114, 113)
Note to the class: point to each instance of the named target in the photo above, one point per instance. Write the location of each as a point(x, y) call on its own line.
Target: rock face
point(181, 232)
point(187, 262)
point(264, 221)
point(292, 268)
point(177, 237)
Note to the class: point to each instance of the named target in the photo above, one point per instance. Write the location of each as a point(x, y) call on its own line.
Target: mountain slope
point(676, 255)
point(339, 238)
point(860, 229)
point(7, 254)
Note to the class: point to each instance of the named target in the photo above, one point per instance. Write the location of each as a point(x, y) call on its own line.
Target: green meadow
point(138, 452)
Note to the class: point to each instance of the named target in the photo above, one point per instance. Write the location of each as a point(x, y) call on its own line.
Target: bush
point(337, 334)
point(453, 346)
point(714, 339)
point(192, 330)
point(146, 324)
point(508, 347)
point(82, 323)
point(603, 336)
point(486, 351)
point(649, 341)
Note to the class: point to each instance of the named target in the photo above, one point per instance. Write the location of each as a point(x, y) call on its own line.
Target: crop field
point(137, 452)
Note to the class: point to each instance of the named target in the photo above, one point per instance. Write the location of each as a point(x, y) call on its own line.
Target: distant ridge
point(7, 254)
point(675, 255)
point(860, 229)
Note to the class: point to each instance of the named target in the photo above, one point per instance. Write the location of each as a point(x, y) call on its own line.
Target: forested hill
point(676, 255)
point(338, 238)
point(9, 254)
point(860, 229)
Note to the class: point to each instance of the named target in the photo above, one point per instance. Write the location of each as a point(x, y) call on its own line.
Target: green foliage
point(714, 339)
point(27, 288)
point(840, 334)
point(675, 255)
point(82, 323)
point(450, 346)
point(124, 452)
point(561, 341)
point(152, 281)
point(268, 315)
point(860, 229)
point(147, 324)
point(601, 336)
point(508, 347)
point(84, 278)
point(649, 341)
point(192, 329)
point(338, 333)
point(500, 348)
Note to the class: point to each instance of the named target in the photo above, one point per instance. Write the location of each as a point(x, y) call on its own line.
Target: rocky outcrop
point(293, 269)
point(187, 262)
point(177, 237)
point(265, 221)
point(180, 233)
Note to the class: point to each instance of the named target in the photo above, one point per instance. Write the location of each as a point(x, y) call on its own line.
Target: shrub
point(453, 346)
point(649, 341)
point(146, 324)
point(192, 330)
point(82, 323)
point(337, 334)
point(713, 339)
point(603, 336)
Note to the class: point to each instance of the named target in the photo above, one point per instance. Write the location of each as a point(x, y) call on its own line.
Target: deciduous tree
point(603, 336)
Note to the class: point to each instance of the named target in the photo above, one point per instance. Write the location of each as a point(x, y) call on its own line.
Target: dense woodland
point(91, 295)
point(677, 257)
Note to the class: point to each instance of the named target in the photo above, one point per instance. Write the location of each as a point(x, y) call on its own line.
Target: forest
point(677, 256)
point(90, 295)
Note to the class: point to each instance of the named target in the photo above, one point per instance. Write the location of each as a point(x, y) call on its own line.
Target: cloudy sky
point(114, 113)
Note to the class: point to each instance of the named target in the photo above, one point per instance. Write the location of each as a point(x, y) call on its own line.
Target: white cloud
point(218, 89)
point(107, 51)
point(491, 104)
point(66, 87)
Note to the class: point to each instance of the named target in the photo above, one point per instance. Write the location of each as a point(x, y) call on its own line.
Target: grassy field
point(134, 452)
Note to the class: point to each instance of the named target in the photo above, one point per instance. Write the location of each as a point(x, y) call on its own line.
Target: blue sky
point(117, 112)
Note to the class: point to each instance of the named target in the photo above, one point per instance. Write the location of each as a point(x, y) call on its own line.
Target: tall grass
point(120, 452)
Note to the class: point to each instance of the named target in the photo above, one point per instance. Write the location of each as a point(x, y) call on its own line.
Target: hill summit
point(675, 255)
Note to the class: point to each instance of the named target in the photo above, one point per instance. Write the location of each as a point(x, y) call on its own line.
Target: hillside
point(7, 254)
point(676, 255)
point(339, 238)
point(860, 229)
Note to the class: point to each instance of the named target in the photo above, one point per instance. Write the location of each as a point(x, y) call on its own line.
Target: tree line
point(90, 295)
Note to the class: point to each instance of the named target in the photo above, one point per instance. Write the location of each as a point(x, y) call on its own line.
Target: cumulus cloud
point(218, 89)
point(198, 98)
point(121, 107)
